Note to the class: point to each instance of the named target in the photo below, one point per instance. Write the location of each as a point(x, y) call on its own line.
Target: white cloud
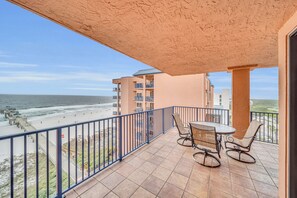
point(3, 54)
point(24, 76)
point(16, 65)
point(74, 66)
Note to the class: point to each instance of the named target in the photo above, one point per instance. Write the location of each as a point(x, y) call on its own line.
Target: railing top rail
point(264, 112)
point(203, 108)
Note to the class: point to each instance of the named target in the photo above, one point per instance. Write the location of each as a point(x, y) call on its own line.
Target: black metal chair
point(205, 139)
point(243, 146)
point(184, 132)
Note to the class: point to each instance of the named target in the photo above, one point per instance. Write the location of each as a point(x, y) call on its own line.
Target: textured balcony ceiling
point(177, 37)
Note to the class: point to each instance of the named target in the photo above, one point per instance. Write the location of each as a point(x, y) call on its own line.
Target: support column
point(240, 99)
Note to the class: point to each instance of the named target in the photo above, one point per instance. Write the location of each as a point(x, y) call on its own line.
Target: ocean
point(42, 105)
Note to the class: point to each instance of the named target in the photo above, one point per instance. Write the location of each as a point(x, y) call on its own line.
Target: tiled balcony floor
point(165, 169)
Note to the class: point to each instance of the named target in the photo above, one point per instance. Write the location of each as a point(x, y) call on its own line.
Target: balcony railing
point(116, 105)
point(138, 98)
point(116, 97)
point(138, 109)
point(149, 99)
point(55, 160)
point(138, 85)
point(269, 131)
point(149, 85)
point(116, 89)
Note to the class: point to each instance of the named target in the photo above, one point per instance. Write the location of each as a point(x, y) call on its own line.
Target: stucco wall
point(283, 103)
point(185, 90)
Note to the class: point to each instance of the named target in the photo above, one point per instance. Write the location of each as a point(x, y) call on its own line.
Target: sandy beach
point(50, 121)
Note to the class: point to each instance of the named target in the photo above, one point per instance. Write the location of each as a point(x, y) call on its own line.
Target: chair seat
point(241, 142)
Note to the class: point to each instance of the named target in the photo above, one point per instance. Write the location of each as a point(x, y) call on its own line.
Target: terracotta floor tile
point(178, 180)
point(142, 193)
point(170, 191)
point(242, 181)
point(112, 180)
point(98, 190)
point(138, 176)
point(188, 195)
point(126, 169)
point(101, 175)
point(196, 188)
point(148, 167)
point(216, 193)
point(71, 194)
point(125, 189)
point(153, 184)
point(111, 195)
point(241, 192)
point(162, 173)
point(85, 186)
point(266, 189)
point(265, 178)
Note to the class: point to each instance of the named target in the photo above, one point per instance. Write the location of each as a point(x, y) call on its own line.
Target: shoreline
point(50, 121)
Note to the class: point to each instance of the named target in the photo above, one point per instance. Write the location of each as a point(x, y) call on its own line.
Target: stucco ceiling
point(177, 37)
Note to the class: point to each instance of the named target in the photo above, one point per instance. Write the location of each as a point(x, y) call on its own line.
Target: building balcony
point(157, 169)
point(116, 105)
point(116, 89)
point(138, 109)
point(149, 99)
point(149, 85)
point(116, 113)
point(138, 85)
point(116, 97)
point(138, 98)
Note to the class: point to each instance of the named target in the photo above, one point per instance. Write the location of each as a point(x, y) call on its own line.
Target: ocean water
point(42, 105)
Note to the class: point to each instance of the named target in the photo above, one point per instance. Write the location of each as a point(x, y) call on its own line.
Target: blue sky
point(38, 56)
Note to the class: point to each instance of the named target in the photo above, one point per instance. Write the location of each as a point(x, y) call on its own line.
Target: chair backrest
point(251, 132)
point(204, 136)
point(179, 124)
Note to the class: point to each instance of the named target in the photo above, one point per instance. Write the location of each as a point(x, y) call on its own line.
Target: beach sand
point(50, 121)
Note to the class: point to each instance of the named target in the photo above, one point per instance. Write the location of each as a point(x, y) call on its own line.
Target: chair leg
point(205, 155)
point(240, 152)
point(184, 139)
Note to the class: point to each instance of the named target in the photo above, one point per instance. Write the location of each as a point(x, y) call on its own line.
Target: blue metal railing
point(269, 131)
point(138, 85)
point(64, 157)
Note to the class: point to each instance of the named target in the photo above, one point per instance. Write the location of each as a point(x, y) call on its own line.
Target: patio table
point(221, 129)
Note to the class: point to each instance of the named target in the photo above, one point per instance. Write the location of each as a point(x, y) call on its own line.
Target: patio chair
point(205, 139)
point(243, 146)
point(184, 132)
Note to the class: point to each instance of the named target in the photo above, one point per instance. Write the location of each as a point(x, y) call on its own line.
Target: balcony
point(165, 170)
point(138, 98)
point(116, 113)
point(115, 89)
point(138, 109)
point(112, 156)
point(116, 105)
point(116, 97)
point(149, 99)
point(149, 85)
point(138, 86)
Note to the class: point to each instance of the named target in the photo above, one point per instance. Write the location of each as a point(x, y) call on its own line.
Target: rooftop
point(147, 72)
point(165, 169)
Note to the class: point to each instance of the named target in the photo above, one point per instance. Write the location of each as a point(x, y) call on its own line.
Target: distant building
point(151, 89)
point(222, 99)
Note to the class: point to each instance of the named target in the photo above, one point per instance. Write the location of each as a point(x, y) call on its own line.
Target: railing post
point(228, 117)
point(120, 139)
point(147, 128)
point(172, 117)
point(59, 162)
point(163, 127)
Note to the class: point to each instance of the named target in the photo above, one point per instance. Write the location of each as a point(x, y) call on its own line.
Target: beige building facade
point(152, 89)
